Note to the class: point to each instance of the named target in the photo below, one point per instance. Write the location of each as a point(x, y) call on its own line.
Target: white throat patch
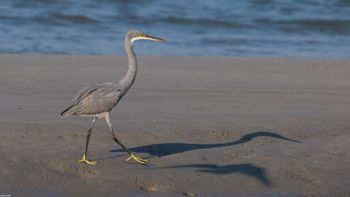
point(136, 38)
point(140, 38)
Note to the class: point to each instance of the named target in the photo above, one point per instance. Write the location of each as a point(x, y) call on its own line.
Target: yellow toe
point(137, 159)
point(87, 161)
point(84, 160)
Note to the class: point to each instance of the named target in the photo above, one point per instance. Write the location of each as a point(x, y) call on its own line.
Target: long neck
point(130, 75)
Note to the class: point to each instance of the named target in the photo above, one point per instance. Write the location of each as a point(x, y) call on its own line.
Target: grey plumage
point(99, 99)
point(94, 99)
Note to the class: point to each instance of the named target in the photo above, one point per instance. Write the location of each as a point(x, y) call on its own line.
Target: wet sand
point(208, 125)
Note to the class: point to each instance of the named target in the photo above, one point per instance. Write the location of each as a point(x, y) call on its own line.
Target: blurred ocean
point(305, 28)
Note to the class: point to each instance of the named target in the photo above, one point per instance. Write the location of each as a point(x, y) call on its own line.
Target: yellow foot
point(84, 160)
point(136, 158)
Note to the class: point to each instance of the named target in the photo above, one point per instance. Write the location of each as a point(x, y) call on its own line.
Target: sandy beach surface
point(210, 126)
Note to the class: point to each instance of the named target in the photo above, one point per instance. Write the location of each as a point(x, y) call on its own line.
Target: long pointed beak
point(147, 37)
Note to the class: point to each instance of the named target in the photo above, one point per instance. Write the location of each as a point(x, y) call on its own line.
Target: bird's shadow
point(164, 149)
point(248, 169)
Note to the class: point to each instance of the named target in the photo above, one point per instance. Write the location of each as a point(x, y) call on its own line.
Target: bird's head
point(134, 35)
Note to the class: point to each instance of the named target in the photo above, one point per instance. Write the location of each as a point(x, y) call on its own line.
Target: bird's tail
point(67, 112)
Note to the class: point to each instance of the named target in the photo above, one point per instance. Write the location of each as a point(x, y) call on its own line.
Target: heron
point(97, 100)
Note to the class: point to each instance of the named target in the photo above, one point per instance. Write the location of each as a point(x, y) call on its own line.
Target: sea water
point(277, 28)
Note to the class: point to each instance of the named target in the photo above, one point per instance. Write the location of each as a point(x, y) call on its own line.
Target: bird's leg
point(84, 159)
point(132, 155)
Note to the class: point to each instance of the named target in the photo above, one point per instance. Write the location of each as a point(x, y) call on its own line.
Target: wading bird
point(98, 100)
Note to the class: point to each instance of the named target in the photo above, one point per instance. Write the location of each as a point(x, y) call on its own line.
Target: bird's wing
point(96, 98)
point(84, 92)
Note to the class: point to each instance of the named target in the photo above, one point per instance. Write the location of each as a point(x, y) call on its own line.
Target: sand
point(210, 126)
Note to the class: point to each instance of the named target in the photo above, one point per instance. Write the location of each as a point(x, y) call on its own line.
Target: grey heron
point(97, 100)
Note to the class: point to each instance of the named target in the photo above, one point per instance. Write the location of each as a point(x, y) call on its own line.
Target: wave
point(329, 26)
point(203, 22)
point(53, 19)
point(78, 19)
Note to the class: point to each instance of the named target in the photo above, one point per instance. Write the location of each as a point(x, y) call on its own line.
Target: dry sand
point(209, 126)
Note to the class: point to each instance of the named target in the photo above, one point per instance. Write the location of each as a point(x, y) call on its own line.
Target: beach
point(209, 126)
